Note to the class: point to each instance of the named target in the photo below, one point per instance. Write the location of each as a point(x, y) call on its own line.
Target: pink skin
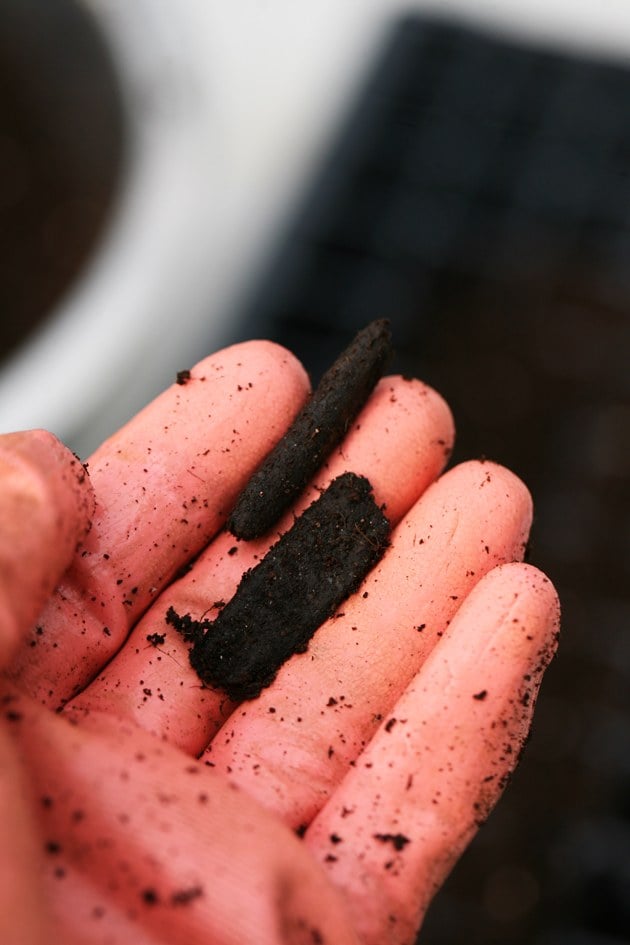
point(37, 512)
point(45, 509)
point(143, 844)
point(436, 765)
point(133, 838)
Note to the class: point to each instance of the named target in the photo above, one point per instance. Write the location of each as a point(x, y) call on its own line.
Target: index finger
point(164, 485)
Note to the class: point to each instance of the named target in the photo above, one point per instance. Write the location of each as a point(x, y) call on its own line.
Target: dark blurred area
point(479, 196)
point(61, 143)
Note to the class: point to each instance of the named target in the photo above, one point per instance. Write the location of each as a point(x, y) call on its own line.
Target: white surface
point(231, 105)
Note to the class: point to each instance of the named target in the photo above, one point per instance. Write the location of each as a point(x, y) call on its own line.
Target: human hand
point(150, 808)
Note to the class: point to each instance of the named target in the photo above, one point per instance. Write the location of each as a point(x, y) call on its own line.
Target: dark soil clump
point(317, 430)
point(300, 582)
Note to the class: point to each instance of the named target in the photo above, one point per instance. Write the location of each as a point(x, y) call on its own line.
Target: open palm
point(147, 807)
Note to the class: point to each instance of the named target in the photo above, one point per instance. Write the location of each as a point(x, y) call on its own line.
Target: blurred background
point(175, 177)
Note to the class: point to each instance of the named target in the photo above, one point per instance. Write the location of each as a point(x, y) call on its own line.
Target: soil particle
point(281, 602)
point(318, 429)
point(398, 840)
point(182, 897)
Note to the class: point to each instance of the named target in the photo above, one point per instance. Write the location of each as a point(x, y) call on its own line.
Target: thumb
point(46, 502)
